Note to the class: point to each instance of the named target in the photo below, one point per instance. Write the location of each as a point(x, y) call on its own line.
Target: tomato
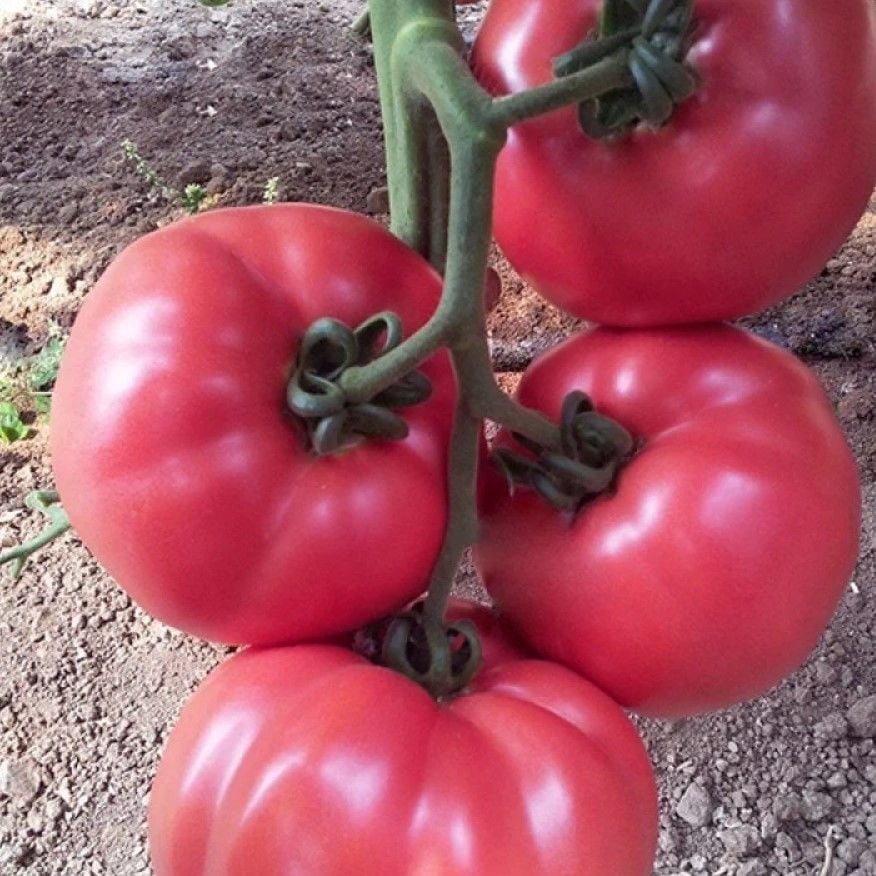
point(709, 572)
point(308, 759)
point(735, 203)
point(179, 463)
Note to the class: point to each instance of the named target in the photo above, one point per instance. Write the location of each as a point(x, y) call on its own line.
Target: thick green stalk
point(426, 85)
point(462, 527)
point(422, 75)
point(428, 68)
point(407, 119)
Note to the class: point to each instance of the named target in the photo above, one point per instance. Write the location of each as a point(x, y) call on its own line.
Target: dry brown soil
point(89, 685)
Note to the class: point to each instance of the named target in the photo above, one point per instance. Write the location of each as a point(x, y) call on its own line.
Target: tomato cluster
point(699, 572)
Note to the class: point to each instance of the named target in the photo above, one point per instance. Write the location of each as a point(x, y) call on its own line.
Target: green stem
point(606, 75)
point(439, 196)
point(462, 522)
point(427, 69)
point(407, 118)
point(46, 502)
point(489, 402)
point(423, 78)
point(361, 383)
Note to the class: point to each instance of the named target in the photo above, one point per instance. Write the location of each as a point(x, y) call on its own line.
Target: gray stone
point(68, 213)
point(742, 841)
point(862, 717)
point(59, 288)
point(787, 850)
point(837, 780)
point(197, 172)
point(831, 728)
point(19, 781)
point(695, 806)
point(752, 868)
point(769, 826)
point(698, 863)
point(850, 850)
point(378, 200)
point(35, 821)
point(816, 805)
point(787, 807)
point(867, 863)
point(825, 673)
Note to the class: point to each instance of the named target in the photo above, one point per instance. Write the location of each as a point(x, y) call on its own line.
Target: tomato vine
point(443, 134)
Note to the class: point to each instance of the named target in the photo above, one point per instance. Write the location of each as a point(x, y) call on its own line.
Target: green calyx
point(594, 448)
point(441, 656)
point(327, 350)
point(653, 38)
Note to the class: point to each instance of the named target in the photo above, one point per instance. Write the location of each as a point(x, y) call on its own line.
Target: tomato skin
point(309, 760)
point(738, 201)
point(708, 575)
point(178, 462)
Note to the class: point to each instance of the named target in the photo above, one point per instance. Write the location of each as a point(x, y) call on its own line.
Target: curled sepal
point(386, 326)
point(592, 450)
point(655, 15)
point(377, 422)
point(412, 389)
point(314, 394)
point(589, 52)
point(649, 37)
point(441, 657)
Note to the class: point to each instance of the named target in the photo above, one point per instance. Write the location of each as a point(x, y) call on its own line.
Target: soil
point(89, 685)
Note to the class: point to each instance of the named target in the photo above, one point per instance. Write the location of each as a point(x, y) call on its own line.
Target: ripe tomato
point(734, 204)
point(179, 463)
point(712, 569)
point(308, 759)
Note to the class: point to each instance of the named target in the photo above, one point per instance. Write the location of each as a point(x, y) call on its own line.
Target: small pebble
point(378, 200)
point(862, 717)
point(831, 728)
point(695, 806)
point(742, 841)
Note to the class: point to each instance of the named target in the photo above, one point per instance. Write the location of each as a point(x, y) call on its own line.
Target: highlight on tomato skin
point(711, 570)
point(309, 759)
point(733, 205)
point(179, 462)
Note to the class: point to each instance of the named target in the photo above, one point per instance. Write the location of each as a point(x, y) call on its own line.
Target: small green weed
point(192, 198)
point(26, 388)
point(12, 427)
point(272, 190)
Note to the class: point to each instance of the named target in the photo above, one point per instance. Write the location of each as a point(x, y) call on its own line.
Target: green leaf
point(43, 366)
point(42, 402)
point(214, 3)
point(11, 426)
